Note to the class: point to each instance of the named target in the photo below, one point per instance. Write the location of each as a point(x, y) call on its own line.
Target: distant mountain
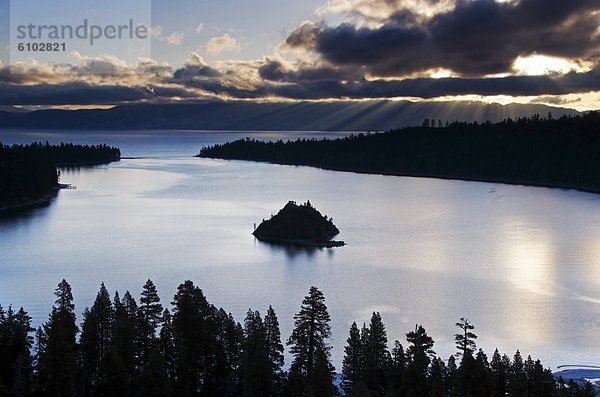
point(12, 109)
point(273, 116)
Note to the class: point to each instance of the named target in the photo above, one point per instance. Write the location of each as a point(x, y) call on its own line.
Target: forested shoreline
point(535, 151)
point(126, 348)
point(28, 173)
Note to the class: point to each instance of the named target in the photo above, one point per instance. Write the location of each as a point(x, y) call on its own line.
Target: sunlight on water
point(528, 257)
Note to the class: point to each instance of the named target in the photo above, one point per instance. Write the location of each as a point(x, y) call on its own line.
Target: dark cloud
point(274, 70)
point(426, 88)
point(79, 93)
point(195, 71)
point(475, 38)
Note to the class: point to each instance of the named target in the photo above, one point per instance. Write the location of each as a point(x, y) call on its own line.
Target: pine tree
point(397, 365)
point(499, 371)
point(311, 332)
point(56, 357)
point(230, 340)
point(15, 351)
point(353, 363)
point(484, 379)
point(150, 314)
point(130, 305)
point(90, 361)
point(419, 353)
point(195, 338)
point(452, 385)
point(517, 378)
point(155, 379)
point(113, 378)
point(96, 337)
point(465, 340)
point(376, 355)
point(438, 389)
point(529, 370)
point(102, 309)
point(466, 374)
point(273, 340)
point(274, 345)
point(166, 345)
point(320, 382)
point(420, 349)
point(124, 336)
point(257, 375)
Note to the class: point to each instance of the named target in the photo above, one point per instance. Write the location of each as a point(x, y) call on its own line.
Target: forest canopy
point(537, 151)
point(128, 347)
point(28, 172)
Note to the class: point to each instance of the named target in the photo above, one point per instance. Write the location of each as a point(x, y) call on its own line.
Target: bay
point(522, 263)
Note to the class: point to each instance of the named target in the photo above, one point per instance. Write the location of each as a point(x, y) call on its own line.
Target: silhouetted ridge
point(373, 115)
point(536, 151)
point(299, 225)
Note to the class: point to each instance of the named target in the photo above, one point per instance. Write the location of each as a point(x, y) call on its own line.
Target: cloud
point(174, 39)
point(78, 93)
point(273, 77)
point(383, 9)
point(277, 79)
point(199, 28)
point(224, 43)
point(471, 38)
point(555, 100)
point(195, 67)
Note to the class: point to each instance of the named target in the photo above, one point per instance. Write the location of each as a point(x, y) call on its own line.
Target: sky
point(505, 51)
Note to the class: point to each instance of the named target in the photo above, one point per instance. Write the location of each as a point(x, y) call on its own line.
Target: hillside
point(272, 116)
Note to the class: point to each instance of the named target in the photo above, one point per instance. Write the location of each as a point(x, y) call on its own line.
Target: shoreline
point(87, 164)
point(425, 175)
point(300, 243)
point(18, 208)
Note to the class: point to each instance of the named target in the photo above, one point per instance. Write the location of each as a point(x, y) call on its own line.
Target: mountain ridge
point(272, 116)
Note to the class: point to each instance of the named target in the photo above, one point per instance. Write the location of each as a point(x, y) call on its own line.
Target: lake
point(522, 263)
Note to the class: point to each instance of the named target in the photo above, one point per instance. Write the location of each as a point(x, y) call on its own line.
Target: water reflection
point(528, 256)
point(293, 252)
point(21, 215)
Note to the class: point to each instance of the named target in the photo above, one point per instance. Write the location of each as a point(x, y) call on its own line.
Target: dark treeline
point(140, 348)
point(559, 152)
point(28, 172)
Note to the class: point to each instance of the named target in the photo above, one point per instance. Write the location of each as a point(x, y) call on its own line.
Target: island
point(299, 225)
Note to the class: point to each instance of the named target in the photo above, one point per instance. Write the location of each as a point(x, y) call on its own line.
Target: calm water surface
point(522, 263)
